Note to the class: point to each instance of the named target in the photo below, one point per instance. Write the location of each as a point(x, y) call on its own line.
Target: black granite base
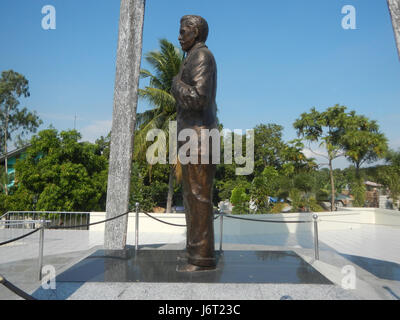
point(160, 266)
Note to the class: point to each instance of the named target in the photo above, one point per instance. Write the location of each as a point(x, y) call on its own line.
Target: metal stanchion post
point(316, 245)
point(221, 226)
point(137, 227)
point(41, 244)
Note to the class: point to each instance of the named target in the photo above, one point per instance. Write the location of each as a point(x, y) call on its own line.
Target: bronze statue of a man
point(194, 89)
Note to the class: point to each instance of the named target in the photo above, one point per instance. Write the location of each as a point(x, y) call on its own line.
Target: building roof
point(14, 153)
point(372, 184)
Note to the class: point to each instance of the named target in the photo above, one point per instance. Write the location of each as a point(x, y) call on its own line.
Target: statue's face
point(187, 37)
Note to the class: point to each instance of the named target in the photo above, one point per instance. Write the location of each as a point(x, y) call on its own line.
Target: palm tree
point(166, 64)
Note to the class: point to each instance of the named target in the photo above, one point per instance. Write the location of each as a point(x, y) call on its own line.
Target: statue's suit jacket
point(195, 89)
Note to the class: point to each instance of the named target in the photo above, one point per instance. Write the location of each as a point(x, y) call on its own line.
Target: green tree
point(389, 175)
point(104, 145)
point(273, 158)
point(264, 186)
point(60, 174)
point(166, 64)
point(140, 192)
point(240, 200)
point(13, 86)
point(271, 150)
point(3, 180)
point(362, 141)
point(358, 190)
point(3, 200)
point(393, 158)
point(225, 186)
point(300, 187)
point(325, 128)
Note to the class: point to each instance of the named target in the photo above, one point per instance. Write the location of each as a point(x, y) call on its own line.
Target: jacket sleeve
point(197, 94)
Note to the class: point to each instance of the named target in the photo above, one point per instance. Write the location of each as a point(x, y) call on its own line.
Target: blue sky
point(276, 59)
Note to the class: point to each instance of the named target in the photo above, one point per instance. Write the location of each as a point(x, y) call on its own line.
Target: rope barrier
point(150, 216)
point(89, 224)
point(169, 223)
point(263, 220)
point(173, 224)
point(19, 238)
point(15, 289)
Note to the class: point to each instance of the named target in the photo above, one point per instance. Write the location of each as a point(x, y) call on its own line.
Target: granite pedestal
point(159, 266)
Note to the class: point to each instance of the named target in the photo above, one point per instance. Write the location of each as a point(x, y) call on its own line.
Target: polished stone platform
point(159, 266)
point(379, 268)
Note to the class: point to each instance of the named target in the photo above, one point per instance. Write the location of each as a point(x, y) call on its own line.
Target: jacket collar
point(198, 45)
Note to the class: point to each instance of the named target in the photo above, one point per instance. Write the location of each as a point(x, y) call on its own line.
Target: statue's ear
point(196, 32)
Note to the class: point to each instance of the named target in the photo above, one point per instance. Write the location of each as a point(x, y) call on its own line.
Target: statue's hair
point(199, 23)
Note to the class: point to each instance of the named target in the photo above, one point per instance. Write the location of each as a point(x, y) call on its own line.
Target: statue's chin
point(187, 48)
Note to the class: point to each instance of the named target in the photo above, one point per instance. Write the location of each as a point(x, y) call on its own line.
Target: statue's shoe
point(192, 268)
point(182, 256)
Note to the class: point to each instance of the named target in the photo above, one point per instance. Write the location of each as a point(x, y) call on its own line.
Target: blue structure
point(12, 158)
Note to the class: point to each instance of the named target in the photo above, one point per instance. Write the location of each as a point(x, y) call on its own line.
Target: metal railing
point(74, 220)
point(14, 229)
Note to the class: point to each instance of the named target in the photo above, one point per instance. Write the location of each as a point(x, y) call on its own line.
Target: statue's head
point(194, 29)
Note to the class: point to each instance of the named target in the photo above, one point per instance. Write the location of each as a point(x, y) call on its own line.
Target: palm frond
point(145, 117)
point(165, 64)
point(145, 74)
point(141, 143)
point(158, 98)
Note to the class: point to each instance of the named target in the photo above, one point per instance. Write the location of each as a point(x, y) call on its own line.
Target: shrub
point(240, 200)
point(314, 206)
point(278, 207)
point(358, 191)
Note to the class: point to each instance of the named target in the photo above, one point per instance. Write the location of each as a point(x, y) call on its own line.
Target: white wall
point(387, 217)
point(339, 220)
point(146, 224)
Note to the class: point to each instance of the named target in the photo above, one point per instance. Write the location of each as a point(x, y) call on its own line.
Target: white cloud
point(318, 153)
point(320, 156)
point(95, 130)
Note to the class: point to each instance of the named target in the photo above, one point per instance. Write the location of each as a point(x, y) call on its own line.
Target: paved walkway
point(68, 241)
point(372, 241)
